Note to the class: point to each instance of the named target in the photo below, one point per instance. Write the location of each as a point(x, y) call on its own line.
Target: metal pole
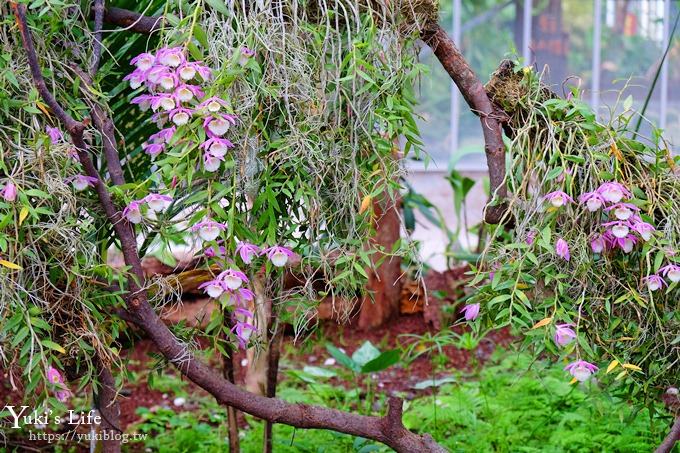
point(597, 40)
point(526, 32)
point(455, 94)
point(663, 105)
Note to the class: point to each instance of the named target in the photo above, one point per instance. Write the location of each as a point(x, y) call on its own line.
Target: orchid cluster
point(227, 287)
point(176, 96)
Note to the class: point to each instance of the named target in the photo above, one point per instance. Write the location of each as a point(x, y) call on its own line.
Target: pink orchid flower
point(180, 116)
point(157, 202)
point(644, 229)
point(143, 61)
point(654, 282)
point(214, 288)
point(163, 136)
point(581, 370)
point(471, 311)
point(188, 70)
point(246, 54)
point(531, 237)
point(623, 211)
point(217, 146)
point(171, 56)
point(619, 228)
point(278, 255)
point(219, 125)
point(213, 104)
point(558, 198)
point(232, 279)
point(132, 211)
point(153, 149)
point(9, 193)
point(564, 334)
point(136, 78)
point(185, 93)
point(163, 101)
point(211, 162)
point(208, 230)
point(598, 243)
point(82, 182)
point(144, 101)
point(672, 272)
point(248, 251)
point(55, 134)
point(592, 200)
point(613, 192)
point(562, 249)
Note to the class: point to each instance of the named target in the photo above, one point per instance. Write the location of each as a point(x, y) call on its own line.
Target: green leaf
point(365, 354)
point(218, 5)
point(54, 346)
point(343, 358)
point(382, 362)
point(319, 372)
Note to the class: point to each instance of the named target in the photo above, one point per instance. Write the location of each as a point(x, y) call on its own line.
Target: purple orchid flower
point(208, 230)
point(558, 198)
point(217, 146)
point(246, 54)
point(157, 202)
point(623, 211)
point(132, 211)
point(564, 334)
point(218, 126)
point(9, 192)
point(211, 162)
point(144, 101)
point(143, 61)
point(592, 200)
point(248, 251)
point(171, 56)
point(214, 288)
point(598, 243)
point(153, 149)
point(180, 115)
point(644, 229)
point(654, 282)
point(55, 134)
point(613, 192)
point(278, 255)
point(136, 78)
point(672, 272)
point(232, 278)
point(82, 182)
point(618, 228)
point(471, 311)
point(213, 104)
point(581, 370)
point(562, 249)
point(185, 93)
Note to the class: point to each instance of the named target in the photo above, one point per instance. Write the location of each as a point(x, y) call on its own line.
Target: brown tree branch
point(671, 439)
point(109, 409)
point(132, 20)
point(98, 8)
point(475, 95)
point(390, 433)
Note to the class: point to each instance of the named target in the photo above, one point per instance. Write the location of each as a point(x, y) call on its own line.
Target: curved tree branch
point(671, 439)
point(132, 20)
point(475, 95)
point(388, 430)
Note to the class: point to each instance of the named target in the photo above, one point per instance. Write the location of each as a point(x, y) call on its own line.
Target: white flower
point(180, 118)
point(187, 73)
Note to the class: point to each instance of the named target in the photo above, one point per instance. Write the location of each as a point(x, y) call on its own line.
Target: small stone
point(179, 401)
point(329, 362)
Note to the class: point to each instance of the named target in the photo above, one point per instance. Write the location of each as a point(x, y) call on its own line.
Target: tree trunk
point(384, 284)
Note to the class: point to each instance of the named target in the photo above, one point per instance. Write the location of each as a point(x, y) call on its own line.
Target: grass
point(506, 407)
